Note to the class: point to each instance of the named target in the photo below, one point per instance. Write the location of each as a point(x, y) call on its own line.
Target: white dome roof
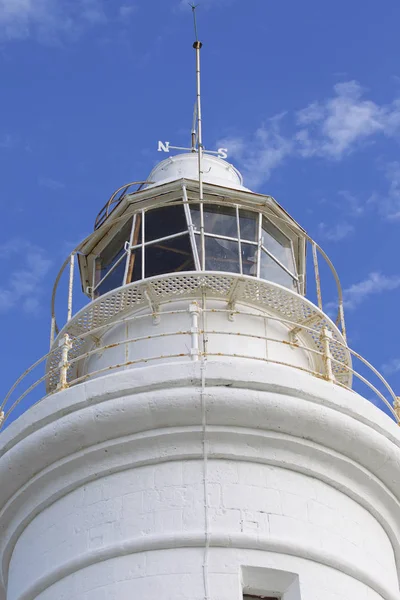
point(215, 170)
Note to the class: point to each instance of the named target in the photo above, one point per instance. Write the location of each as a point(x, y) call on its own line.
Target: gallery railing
point(62, 376)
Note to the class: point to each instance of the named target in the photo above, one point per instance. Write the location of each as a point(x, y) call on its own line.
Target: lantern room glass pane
point(114, 277)
point(249, 259)
point(134, 271)
point(220, 220)
point(106, 263)
point(278, 244)
point(248, 225)
point(271, 271)
point(169, 256)
point(164, 221)
point(137, 230)
point(221, 255)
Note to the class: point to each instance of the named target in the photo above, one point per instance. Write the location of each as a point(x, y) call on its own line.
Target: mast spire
point(197, 116)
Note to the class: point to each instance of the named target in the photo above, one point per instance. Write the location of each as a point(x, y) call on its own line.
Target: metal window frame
point(130, 247)
point(191, 231)
point(162, 239)
point(239, 239)
point(260, 216)
point(124, 255)
point(199, 260)
point(286, 236)
point(143, 244)
point(278, 262)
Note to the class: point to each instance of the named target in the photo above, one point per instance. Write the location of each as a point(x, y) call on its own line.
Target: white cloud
point(389, 204)
point(8, 141)
point(47, 20)
point(391, 367)
point(335, 233)
point(330, 129)
point(375, 283)
point(264, 152)
point(51, 184)
point(353, 205)
point(126, 11)
point(27, 266)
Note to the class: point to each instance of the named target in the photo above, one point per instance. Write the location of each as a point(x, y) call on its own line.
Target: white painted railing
point(64, 373)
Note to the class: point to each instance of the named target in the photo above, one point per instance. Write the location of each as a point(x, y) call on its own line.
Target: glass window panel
point(220, 220)
point(134, 272)
point(114, 279)
point(109, 257)
point(278, 244)
point(115, 249)
point(164, 221)
point(169, 256)
point(271, 271)
point(137, 230)
point(221, 255)
point(195, 214)
point(249, 259)
point(248, 225)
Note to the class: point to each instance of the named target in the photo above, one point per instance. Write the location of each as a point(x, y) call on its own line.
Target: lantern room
point(163, 228)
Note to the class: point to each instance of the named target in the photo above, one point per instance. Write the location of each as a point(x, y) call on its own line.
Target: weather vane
point(196, 132)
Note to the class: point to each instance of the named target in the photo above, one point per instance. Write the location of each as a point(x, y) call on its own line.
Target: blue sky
point(306, 96)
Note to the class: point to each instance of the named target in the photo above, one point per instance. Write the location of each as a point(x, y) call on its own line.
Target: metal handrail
point(114, 200)
point(5, 413)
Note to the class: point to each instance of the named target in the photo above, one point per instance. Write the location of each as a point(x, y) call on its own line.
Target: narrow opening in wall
point(260, 583)
point(250, 597)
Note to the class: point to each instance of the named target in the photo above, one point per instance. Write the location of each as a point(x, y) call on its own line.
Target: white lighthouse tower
point(199, 436)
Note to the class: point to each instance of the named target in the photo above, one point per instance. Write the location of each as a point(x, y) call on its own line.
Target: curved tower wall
point(193, 480)
point(187, 464)
point(248, 332)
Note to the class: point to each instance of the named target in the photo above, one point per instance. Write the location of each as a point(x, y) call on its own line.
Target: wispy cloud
point(353, 205)
point(27, 266)
point(51, 184)
point(329, 129)
point(388, 204)
point(335, 126)
point(335, 233)
point(374, 284)
point(126, 11)
point(262, 154)
point(391, 367)
point(48, 20)
point(8, 141)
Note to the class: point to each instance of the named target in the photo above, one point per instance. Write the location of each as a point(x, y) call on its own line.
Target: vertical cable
point(205, 450)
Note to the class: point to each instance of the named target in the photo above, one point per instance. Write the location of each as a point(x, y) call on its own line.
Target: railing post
point(66, 346)
point(52, 331)
point(194, 311)
point(317, 276)
point(326, 338)
point(70, 285)
point(2, 417)
point(396, 408)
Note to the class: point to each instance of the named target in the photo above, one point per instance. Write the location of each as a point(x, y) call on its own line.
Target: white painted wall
point(241, 335)
point(106, 489)
point(215, 170)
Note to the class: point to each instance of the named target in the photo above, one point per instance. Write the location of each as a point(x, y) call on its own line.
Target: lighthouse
point(200, 434)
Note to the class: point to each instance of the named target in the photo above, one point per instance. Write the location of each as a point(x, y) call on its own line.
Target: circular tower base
point(195, 480)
